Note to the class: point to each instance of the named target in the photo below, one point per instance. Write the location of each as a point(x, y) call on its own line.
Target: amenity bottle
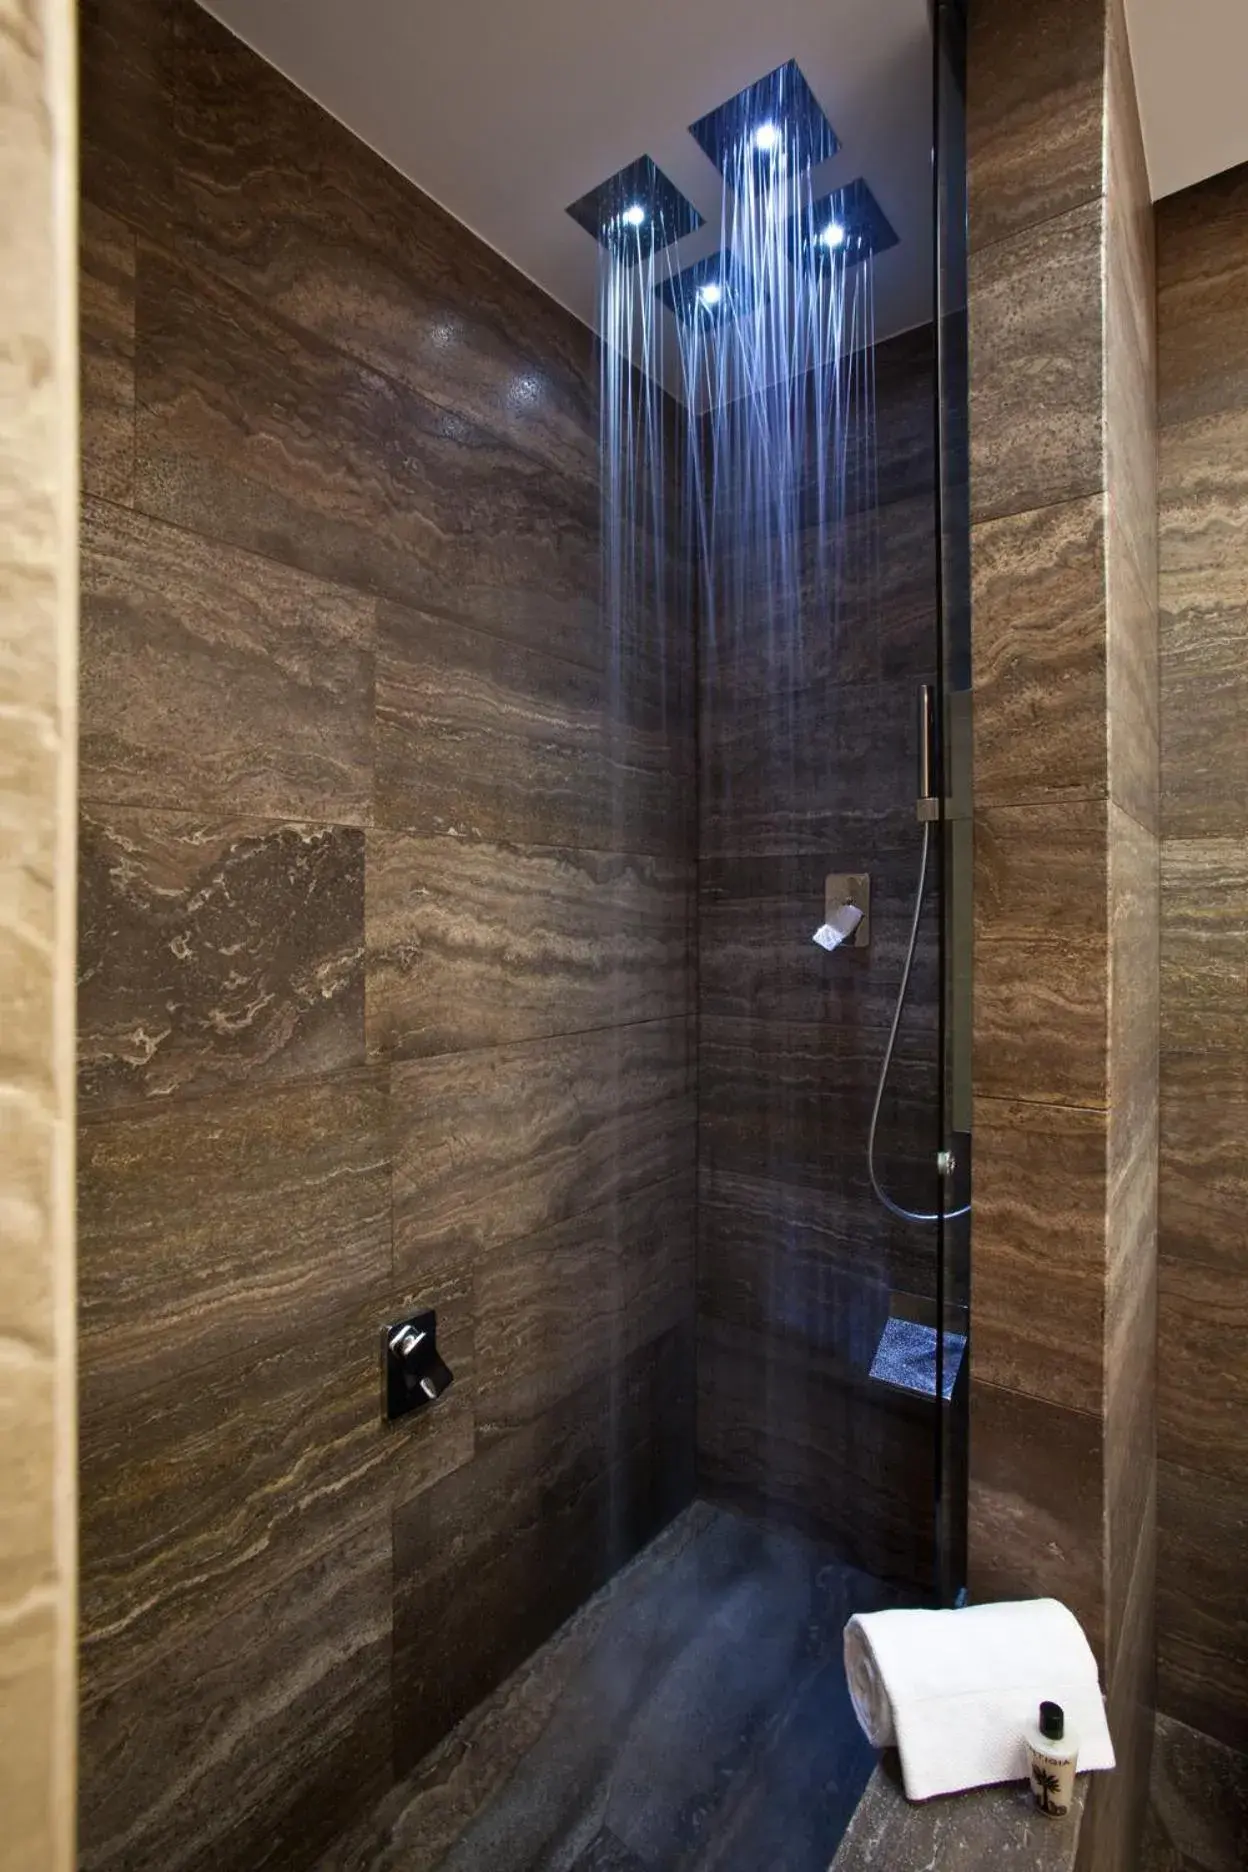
point(1053, 1754)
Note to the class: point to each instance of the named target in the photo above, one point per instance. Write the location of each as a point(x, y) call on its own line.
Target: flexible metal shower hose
point(904, 1215)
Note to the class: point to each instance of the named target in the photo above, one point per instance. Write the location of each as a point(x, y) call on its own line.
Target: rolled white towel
point(955, 1691)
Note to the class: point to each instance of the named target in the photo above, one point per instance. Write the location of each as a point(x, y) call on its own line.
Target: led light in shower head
point(636, 212)
point(710, 292)
point(777, 113)
point(844, 227)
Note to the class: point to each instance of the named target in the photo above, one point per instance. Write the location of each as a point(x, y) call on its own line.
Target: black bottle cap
point(1052, 1721)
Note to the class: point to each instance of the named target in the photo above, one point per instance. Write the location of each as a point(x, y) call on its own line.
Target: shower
point(777, 344)
point(507, 1354)
point(750, 435)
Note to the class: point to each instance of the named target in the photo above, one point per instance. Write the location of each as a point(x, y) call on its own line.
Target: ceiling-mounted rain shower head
point(711, 291)
point(844, 227)
point(636, 212)
point(775, 114)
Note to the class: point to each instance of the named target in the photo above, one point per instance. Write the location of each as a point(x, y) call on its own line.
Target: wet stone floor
point(692, 1715)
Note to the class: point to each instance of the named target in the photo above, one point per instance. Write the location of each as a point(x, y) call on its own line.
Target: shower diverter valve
point(840, 928)
point(847, 907)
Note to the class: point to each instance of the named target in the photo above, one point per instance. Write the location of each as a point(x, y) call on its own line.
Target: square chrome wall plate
point(849, 887)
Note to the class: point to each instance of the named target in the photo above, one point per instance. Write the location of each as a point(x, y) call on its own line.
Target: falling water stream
point(776, 367)
point(729, 523)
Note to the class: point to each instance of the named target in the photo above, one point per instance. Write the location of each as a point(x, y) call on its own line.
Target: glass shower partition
point(955, 851)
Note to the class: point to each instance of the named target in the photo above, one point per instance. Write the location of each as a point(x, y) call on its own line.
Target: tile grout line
point(368, 1066)
point(975, 249)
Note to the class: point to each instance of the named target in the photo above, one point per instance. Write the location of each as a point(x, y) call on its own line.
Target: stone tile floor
point(693, 1715)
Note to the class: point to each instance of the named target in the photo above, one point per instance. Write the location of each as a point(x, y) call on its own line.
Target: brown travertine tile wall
point(38, 648)
point(384, 985)
point(1064, 640)
point(1202, 274)
point(806, 747)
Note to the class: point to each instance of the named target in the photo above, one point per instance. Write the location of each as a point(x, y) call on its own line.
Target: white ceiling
point(507, 110)
point(1191, 73)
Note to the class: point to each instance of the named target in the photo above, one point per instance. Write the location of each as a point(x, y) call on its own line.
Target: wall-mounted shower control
point(844, 893)
point(413, 1373)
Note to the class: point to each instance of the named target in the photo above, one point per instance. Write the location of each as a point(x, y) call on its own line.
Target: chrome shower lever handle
point(414, 1374)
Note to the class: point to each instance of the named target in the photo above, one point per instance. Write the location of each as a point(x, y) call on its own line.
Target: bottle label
point(1052, 1782)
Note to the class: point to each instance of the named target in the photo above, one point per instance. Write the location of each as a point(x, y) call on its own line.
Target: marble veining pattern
point(1034, 132)
point(219, 680)
point(374, 859)
point(106, 353)
point(1202, 257)
point(477, 944)
point(177, 1207)
point(283, 202)
point(1065, 776)
point(295, 450)
point(215, 954)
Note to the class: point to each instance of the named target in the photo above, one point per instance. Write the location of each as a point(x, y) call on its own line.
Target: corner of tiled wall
point(1202, 1481)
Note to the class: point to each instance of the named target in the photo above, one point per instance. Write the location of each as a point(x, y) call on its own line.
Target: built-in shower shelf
point(906, 1358)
